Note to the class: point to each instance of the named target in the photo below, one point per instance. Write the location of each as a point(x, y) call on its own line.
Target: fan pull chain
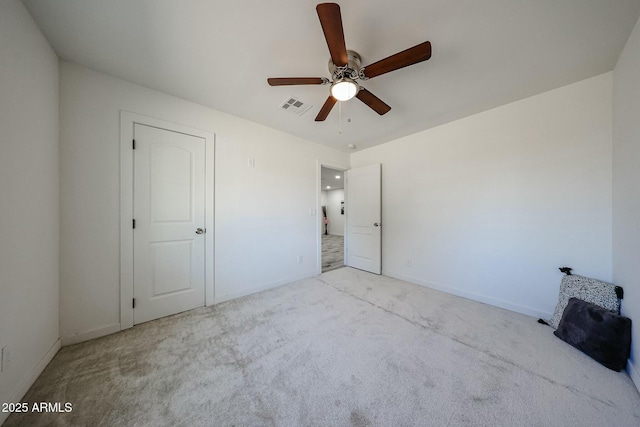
point(340, 114)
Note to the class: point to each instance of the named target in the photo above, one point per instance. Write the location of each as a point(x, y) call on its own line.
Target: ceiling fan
point(345, 67)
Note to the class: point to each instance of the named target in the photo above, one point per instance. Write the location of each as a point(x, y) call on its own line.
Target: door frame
point(344, 168)
point(127, 122)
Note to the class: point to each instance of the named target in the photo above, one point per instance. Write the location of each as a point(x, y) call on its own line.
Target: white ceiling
point(220, 53)
point(329, 178)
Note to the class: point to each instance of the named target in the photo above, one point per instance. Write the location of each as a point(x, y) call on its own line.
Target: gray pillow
point(590, 290)
point(601, 334)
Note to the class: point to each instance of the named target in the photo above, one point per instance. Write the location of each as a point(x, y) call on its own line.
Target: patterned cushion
point(590, 290)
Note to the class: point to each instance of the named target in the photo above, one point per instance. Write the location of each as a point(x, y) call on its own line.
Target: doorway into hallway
point(333, 218)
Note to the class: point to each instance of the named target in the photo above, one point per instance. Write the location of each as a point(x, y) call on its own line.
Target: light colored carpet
point(347, 348)
point(332, 252)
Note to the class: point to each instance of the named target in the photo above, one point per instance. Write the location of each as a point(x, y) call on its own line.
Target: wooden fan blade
point(286, 81)
point(331, 21)
point(326, 109)
point(375, 103)
point(411, 56)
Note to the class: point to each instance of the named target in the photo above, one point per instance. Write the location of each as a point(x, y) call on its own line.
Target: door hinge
point(134, 223)
point(133, 303)
point(133, 144)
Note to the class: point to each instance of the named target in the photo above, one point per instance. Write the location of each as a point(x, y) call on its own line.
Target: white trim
point(209, 242)
point(127, 122)
point(330, 165)
point(634, 373)
point(25, 385)
point(126, 213)
point(91, 334)
point(472, 296)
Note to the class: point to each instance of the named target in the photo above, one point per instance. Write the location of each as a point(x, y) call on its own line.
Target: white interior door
point(364, 218)
point(169, 215)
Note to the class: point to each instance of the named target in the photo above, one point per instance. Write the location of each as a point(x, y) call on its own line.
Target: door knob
point(375, 224)
point(199, 231)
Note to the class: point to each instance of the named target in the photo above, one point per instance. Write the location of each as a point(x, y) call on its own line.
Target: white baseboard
point(260, 288)
point(634, 373)
point(472, 296)
point(26, 384)
point(91, 334)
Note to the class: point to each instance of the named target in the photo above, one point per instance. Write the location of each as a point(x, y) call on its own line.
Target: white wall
point(336, 220)
point(626, 184)
point(323, 198)
point(29, 200)
point(261, 215)
point(489, 207)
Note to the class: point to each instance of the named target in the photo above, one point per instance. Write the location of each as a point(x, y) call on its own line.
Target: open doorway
point(332, 217)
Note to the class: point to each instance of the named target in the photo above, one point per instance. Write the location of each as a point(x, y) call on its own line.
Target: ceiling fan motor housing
point(351, 70)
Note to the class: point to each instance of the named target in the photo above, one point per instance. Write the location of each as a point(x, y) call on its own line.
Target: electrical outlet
point(299, 259)
point(6, 358)
point(409, 263)
point(251, 162)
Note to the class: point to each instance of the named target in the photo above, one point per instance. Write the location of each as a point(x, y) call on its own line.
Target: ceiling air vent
point(296, 106)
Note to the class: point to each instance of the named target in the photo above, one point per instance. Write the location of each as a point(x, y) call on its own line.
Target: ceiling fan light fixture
point(344, 89)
